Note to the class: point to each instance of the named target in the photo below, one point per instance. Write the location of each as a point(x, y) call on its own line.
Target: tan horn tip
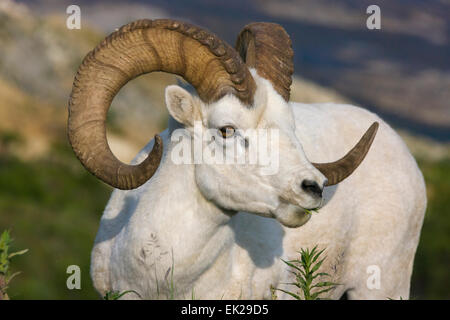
point(337, 171)
point(153, 160)
point(135, 176)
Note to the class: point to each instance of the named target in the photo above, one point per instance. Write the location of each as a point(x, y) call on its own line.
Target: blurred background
point(52, 206)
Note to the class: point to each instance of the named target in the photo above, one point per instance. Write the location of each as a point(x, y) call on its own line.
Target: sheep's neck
point(206, 237)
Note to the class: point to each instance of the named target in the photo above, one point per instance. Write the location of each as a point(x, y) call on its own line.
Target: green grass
point(308, 276)
point(116, 295)
point(431, 271)
point(52, 207)
point(310, 211)
point(5, 261)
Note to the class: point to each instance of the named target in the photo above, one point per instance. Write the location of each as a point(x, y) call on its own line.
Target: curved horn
point(211, 66)
point(341, 169)
point(268, 48)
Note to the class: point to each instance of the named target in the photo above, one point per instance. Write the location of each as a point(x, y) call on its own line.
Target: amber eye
point(227, 131)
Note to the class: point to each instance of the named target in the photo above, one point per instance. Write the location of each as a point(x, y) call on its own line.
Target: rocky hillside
point(39, 58)
point(400, 71)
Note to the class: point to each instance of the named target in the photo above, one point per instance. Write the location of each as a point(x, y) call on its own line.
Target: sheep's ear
point(181, 105)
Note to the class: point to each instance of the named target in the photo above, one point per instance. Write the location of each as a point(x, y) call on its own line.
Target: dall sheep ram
point(222, 229)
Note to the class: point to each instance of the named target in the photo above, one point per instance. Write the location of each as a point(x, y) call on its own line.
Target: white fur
point(191, 217)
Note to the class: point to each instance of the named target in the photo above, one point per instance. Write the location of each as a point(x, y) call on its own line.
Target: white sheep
point(221, 230)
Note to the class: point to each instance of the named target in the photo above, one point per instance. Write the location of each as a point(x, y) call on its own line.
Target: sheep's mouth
point(291, 215)
point(302, 206)
point(311, 210)
point(314, 209)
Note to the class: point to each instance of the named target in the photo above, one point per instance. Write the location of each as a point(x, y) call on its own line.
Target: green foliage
point(5, 256)
point(310, 211)
point(116, 295)
point(431, 273)
point(401, 298)
point(273, 292)
point(169, 283)
point(5, 260)
point(8, 138)
point(306, 271)
point(53, 207)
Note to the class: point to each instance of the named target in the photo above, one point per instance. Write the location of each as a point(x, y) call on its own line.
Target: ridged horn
point(267, 48)
point(337, 171)
point(210, 65)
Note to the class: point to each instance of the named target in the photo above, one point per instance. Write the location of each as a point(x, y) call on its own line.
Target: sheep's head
point(233, 102)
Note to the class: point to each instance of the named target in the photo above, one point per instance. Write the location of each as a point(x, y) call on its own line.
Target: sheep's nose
point(312, 188)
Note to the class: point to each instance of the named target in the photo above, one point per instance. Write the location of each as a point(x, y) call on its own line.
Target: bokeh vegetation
point(53, 208)
point(431, 273)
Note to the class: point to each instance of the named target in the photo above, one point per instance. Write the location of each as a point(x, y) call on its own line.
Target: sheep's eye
point(227, 131)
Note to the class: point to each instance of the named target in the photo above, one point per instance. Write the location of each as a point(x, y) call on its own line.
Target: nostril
point(312, 187)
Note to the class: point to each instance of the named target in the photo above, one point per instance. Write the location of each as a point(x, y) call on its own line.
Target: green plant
point(306, 271)
point(273, 292)
point(116, 295)
point(170, 284)
point(401, 298)
point(5, 260)
point(309, 211)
